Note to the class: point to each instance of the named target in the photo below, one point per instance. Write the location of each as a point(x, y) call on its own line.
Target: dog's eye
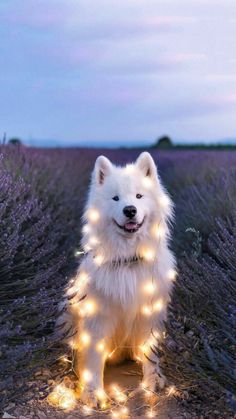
point(138, 196)
point(116, 198)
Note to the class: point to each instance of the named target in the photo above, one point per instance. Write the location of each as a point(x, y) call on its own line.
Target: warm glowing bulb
point(87, 410)
point(83, 278)
point(100, 346)
point(89, 308)
point(125, 410)
point(62, 397)
point(147, 310)
point(85, 338)
point(147, 182)
point(93, 241)
point(171, 274)
point(149, 287)
point(158, 231)
point(158, 305)
point(87, 376)
point(111, 353)
point(150, 414)
point(93, 215)
point(100, 393)
point(145, 348)
point(99, 260)
point(148, 254)
point(171, 390)
point(118, 394)
point(79, 252)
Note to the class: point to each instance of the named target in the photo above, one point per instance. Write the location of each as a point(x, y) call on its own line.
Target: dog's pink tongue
point(130, 226)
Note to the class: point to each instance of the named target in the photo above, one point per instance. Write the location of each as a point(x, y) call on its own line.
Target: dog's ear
point(146, 164)
point(102, 168)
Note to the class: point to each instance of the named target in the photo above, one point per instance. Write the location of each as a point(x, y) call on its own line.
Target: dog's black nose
point(130, 211)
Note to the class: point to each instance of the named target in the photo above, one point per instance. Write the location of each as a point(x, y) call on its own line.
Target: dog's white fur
point(114, 312)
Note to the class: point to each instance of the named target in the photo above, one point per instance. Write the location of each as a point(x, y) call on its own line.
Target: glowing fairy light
point(158, 305)
point(149, 287)
point(111, 353)
point(86, 229)
point(158, 231)
point(62, 397)
point(171, 390)
point(93, 215)
point(148, 254)
point(79, 252)
point(101, 395)
point(171, 274)
point(93, 241)
point(87, 410)
point(145, 348)
point(85, 338)
point(146, 310)
point(150, 414)
point(99, 259)
point(156, 334)
point(83, 277)
point(87, 376)
point(118, 394)
point(147, 182)
point(164, 201)
point(138, 358)
point(100, 346)
point(88, 308)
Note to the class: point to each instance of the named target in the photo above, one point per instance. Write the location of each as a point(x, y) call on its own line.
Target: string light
point(93, 241)
point(171, 390)
point(87, 410)
point(88, 308)
point(93, 215)
point(100, 346)
point(99, 259)
point(171, 274)
point(111, 353)
point(149, 287)
point(146, 310)
point(158, 305)
point(118, 394)
point(148, 254)
point(85, 338)
point(87, 376)
point(79, 252)
point(150, 414)
point(158, 231)
point(62, 397)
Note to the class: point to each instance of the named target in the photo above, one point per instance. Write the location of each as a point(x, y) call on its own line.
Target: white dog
point(118, 300)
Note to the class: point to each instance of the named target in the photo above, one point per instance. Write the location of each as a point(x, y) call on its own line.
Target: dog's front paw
point(94, 398)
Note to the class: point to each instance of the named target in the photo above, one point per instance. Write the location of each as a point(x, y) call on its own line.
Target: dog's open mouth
point(130, 226)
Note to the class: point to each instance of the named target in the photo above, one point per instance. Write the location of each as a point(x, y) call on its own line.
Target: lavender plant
point(41, 196)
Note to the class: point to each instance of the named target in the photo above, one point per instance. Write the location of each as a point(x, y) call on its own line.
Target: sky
point(117, 72)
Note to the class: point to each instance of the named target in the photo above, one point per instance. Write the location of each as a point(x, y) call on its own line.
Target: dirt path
point(126, 376)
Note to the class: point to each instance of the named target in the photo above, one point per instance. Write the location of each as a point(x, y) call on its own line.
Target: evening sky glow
point(117, 72)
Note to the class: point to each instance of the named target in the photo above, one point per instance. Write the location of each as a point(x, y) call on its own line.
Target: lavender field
point(42, 193)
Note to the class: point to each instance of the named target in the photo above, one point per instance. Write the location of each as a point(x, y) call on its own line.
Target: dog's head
point(127, 199)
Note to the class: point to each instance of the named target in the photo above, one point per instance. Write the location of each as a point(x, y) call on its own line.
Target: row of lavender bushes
point(41, 196)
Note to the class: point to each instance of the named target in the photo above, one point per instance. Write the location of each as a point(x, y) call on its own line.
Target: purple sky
point(117, 72)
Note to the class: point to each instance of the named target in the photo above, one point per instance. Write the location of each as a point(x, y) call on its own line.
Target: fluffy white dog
point(118, 300)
